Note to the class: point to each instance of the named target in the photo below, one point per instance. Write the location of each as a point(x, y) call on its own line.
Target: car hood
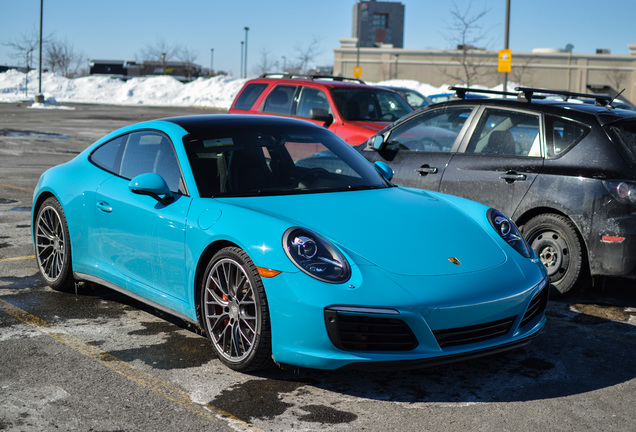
point(404, 231)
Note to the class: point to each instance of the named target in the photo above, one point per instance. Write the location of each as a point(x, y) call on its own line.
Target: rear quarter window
point(249, 95)
point(563, 134)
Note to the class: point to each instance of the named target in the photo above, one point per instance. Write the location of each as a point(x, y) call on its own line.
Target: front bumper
point(380, 323)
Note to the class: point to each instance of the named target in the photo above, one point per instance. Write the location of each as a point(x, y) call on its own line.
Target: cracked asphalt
point(96, 360)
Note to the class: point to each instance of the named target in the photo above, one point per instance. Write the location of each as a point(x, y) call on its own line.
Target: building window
point(380, 20)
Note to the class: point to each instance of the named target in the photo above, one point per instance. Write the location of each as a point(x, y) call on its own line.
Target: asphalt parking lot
point(98, 361)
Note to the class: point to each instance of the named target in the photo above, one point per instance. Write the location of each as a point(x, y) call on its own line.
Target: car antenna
point(617, 95)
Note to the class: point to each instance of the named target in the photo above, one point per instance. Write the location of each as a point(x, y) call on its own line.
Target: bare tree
point(617, 77)
point(61, 57)
point(467, 34)
point(23, 47)
point(160, 51)
point(522, 71)
point(265, 63)
point(305, 56)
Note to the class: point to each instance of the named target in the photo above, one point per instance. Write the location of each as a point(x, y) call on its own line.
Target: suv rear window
point(249, 96)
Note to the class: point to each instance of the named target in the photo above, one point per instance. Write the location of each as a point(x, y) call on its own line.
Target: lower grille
point(536, 307)
point(471, 334)
point(352, 332)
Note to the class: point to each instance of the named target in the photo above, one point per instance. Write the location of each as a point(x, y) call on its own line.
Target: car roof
point(322, 80)
point(196, 124)
point(543, 100)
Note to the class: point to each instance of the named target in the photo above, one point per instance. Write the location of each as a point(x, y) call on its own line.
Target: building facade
point(554, 69)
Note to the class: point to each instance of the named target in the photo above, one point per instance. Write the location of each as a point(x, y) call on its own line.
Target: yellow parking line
point(16, 187)
point(17, 258)
point(162, 388)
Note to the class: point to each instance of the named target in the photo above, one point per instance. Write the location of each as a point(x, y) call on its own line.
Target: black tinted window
point(312, 99)
point(504, 132)
point(433, 131)
point(280, 100)
point(108, 155)
point(249, 95)
point(150, 152)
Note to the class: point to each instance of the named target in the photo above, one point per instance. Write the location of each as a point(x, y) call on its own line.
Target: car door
point(420, 149)
point(499, 160)
point(139, 237)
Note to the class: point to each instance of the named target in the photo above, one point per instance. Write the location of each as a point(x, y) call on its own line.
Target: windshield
point(623, 133)
point(272, 160)
point(369, 104)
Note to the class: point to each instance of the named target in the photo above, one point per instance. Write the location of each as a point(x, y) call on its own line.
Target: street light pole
point(211, 61)
point(39, 97)
point(242, 57)
point(507, 38)
point(245, 63)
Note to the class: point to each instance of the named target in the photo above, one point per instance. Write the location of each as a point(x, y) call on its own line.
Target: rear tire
point(235, 312)
point(560, 248)
point(53, 246)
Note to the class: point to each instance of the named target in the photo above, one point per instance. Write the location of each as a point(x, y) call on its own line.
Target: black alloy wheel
point(53, 246)
point(235, 312)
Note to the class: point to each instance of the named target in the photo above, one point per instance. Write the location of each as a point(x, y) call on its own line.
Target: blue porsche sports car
point(212, 219)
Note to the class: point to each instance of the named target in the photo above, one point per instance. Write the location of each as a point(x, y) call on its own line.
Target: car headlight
point(316, 256)
point(508, 231)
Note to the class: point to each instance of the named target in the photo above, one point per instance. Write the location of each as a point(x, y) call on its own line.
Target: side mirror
point(321, 115)
point(378, 143)
point(384, 170)
point(151, 184)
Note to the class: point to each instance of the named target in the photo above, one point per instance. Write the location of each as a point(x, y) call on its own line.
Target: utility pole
point(507, 39)
point(245, 63)
point(39, 98)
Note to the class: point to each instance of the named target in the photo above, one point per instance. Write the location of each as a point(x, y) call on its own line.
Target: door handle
point(511, 177)
point(104, 206)
point(426, 169)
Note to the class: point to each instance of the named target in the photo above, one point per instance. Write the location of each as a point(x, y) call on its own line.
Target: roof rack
point(527, 93)
point(460, 92)
point(310, 77)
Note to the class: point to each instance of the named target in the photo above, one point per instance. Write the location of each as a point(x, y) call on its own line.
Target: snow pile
point(215, 92)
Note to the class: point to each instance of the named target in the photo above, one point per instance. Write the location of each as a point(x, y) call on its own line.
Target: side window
point(312, 99)
point(510, 133)
point(433, 131)
point(563, 134)
point(150, 152)
point(108, 156)
point(249, 95)
point(280, 100)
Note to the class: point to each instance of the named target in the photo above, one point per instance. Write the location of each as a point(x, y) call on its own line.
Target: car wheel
point(560, 248)
point(53, 246)
point(235, 312)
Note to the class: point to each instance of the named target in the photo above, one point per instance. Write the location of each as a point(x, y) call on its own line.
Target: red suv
point(350, 108)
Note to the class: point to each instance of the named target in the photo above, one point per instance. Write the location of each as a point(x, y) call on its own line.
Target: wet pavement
point(97, 360)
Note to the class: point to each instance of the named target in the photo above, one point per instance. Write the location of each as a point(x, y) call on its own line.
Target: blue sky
point(121, 29)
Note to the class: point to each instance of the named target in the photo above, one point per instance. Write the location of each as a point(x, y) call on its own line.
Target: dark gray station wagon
point(562, 169)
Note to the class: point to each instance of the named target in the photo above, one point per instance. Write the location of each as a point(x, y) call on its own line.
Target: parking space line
point(17, 258)
point(16, 187)
point(157, 386)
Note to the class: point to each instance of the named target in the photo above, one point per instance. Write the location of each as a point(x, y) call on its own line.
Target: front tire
point(560, 248)
point(53, 246)
point(235, 312)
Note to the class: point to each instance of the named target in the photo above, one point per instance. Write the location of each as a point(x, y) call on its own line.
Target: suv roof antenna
point(614, 98)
